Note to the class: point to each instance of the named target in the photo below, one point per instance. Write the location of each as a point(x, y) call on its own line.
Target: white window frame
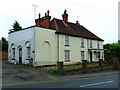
point(13, 53)
point(28, 52)
point(82, 42)
point(82, 55)
point(90, 43)
point(66, 40)
point(67, 55)
point(98, 45)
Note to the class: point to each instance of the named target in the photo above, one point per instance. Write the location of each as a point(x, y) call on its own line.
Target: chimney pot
point(48, 12)
point(39, 15)
point(65, 16)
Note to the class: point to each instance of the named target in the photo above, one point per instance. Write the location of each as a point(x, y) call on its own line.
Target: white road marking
point(96, 83)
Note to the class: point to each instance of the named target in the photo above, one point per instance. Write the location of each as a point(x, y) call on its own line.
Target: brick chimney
point(44, 21)
point(65, 16)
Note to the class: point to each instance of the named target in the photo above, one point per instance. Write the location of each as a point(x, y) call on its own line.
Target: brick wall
point(3, 55)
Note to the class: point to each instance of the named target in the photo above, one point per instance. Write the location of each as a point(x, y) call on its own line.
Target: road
point(94, 82)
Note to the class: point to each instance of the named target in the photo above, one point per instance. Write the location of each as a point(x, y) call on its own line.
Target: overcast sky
point(98, 16)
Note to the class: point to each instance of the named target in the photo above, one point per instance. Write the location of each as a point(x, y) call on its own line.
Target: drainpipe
point(34, 48)
point(58, 45)
point(57, 40)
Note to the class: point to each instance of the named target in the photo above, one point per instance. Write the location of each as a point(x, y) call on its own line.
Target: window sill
point(13, 59)
point(67, 60)
point(82, 47)
point(67, 45)
point(28, 59)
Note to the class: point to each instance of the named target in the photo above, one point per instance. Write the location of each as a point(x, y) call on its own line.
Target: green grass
point(53, 69)
point(90, 65)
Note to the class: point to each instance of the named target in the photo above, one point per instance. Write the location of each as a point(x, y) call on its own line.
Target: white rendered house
point(50, 41)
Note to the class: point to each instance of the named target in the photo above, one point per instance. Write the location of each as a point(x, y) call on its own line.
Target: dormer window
point(82, 42)
point(90, 43)
point(66, 40)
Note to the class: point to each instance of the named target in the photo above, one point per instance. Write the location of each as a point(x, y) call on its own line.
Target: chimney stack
point(44, 21)
point(65, 16)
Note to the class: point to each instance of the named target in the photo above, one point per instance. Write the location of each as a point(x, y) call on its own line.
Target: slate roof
point(72, 29)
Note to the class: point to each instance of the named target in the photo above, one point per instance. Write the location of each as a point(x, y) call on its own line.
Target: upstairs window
point(67, 55)
point(90, 43)
point(66, 40)
point(82, 55)
point(82, 42)
point(98, 44)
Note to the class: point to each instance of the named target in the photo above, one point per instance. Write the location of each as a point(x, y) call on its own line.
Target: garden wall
point(3, 55)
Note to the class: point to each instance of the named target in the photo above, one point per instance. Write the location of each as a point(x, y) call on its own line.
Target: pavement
point(88, 75)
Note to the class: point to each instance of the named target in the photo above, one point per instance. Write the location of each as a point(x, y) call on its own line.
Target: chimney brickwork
point(65, 16)
point(44, 21)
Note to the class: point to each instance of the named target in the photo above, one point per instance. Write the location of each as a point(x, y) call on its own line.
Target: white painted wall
point(19, 38)
point(75, 48)
point(45, 46)
point(44, 43)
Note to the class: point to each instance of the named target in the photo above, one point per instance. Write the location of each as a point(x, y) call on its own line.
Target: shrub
point(78, 63)
point(53, 71)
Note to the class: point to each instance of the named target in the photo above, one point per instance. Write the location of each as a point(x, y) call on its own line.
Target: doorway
point(90, 56)
point(20, 56)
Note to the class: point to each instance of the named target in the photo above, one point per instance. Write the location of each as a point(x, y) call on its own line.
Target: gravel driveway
point(12, 74)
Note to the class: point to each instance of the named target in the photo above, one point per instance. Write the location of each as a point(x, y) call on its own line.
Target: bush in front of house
point(53, 71)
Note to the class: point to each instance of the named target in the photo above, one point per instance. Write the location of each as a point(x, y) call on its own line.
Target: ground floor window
point(67, 55)
point(82, 55)
point(28, 52)
point(13, 53)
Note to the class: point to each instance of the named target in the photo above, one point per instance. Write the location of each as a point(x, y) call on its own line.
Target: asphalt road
point(95, 82)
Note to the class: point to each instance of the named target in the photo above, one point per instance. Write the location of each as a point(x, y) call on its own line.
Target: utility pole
point(34, 10)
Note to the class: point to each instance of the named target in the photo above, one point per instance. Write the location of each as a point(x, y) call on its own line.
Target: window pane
point(13, 51)
point(82, 55)
point(82, 42)
point(67, 54)
point(90, 43)
point(28, 52)
point(66, 40)
point(98, 44)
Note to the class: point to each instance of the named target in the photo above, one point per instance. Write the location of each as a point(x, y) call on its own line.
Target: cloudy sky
point(99, 16)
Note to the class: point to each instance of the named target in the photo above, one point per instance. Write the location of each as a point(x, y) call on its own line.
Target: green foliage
point(106, 46)
point(115, 49)
point(30, 65)
point(78, 63)
point(53, 71)
point(16, 27)
point(4, 44)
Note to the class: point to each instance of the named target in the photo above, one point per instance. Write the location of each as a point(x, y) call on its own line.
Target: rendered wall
point(75, 48)
point(19, 38)
point(45, 46)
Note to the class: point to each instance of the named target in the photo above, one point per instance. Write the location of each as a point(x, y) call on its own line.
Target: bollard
point(60, 67)
point(101, 64)
point(84, 65)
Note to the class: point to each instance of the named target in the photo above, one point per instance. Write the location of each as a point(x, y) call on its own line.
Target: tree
point(115, 48)
point(16, 27)
point(4, 44)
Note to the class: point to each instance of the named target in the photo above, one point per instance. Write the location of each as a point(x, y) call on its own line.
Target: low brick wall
point(3, 55)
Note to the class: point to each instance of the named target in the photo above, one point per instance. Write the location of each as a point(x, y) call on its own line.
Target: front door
point(20, 55)
point(90, 56)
